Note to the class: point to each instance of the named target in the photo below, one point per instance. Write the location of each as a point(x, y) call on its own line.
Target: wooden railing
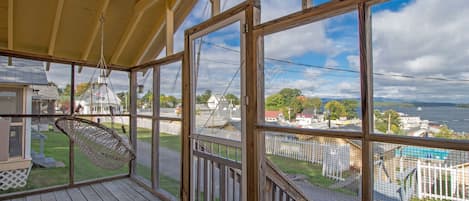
point(278, 187)
point(217, 173)
point(216, 169)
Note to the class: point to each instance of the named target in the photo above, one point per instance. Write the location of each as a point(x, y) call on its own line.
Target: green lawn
point(169, 141)
point(312, 172)
point(57, 147)
point(166, 183)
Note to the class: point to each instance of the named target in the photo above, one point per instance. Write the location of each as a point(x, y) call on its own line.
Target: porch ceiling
point(69, 29)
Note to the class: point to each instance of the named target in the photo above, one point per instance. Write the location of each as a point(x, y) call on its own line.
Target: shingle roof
point(48, 92)
point(23, 72)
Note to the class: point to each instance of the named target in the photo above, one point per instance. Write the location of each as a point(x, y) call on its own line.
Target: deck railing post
point(71, 151)
point(133, 119)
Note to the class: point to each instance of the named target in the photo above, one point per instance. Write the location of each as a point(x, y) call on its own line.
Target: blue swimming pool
point(422, 153)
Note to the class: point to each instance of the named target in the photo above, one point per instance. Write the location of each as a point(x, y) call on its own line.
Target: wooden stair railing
point(279, 186)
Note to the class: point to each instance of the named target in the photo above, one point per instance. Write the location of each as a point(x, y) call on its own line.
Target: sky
point(420, 53)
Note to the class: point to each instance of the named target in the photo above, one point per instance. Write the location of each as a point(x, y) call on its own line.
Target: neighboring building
point(272, 116)
point(45, 99)
point(16, 97)
point(408, 122)
point(217, 101)
point(303, 119)
point(100, 101)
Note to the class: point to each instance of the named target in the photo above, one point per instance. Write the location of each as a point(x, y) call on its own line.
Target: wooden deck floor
point(117, 190)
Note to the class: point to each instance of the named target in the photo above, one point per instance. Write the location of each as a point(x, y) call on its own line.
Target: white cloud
point(425, 38)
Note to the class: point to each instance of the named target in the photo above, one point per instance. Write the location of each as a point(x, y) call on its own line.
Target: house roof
point(272, 114)
point(134, 30)
point(48, 92)
point(22, 72)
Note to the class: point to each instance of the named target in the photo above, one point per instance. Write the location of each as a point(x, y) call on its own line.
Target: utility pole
point(389, 124)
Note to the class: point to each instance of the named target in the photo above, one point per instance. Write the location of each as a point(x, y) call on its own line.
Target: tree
point(81, 88)
point(233, 98)
point(168, 101)
point(335, 109)
point(67, 90)
point(290, 94)
point(350, 108)
point(275, 102)
point(313, 102)
point(382, 121)
point(204, 97)
point(293, 108)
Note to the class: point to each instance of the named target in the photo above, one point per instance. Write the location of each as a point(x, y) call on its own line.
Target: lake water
point(456, 118)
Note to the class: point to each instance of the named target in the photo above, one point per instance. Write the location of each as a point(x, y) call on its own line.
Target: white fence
point(335, 159)
point(442, 181)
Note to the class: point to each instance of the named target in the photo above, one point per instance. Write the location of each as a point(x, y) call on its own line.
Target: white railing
point(442, 181)
point(335, 159)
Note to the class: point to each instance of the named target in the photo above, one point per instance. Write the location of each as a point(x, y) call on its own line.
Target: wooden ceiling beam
point(94, 33)
point(169, 27)
point(139, 10)
point(215, 7)
point(55, 27)
point(10, 24)
point(155, 32)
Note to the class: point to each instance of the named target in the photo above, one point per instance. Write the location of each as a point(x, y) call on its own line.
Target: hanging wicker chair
point(103, 146)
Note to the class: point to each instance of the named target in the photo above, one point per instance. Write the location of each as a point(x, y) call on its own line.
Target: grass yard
point(166, 183)
point(312, 172)
point(57, 147)
point(169, 141)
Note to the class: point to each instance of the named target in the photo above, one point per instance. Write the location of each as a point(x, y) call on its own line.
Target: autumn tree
point(81, 88)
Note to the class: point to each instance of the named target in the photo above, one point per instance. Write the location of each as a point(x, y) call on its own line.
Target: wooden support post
point(155, 170)
point(306, 4)
point(253, 139)
point(186, 180)
point(169, 27)
point(364, 21)
point(133, 119)
point(215, 7)
point(10, 24)
point(55, 27)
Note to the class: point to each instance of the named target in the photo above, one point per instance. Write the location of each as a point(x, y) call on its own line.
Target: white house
point(304, 119)
point(98, 99)
point(217, 101)
point(408, 122)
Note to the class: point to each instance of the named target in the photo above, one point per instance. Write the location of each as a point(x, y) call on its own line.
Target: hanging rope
point(103, 146)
